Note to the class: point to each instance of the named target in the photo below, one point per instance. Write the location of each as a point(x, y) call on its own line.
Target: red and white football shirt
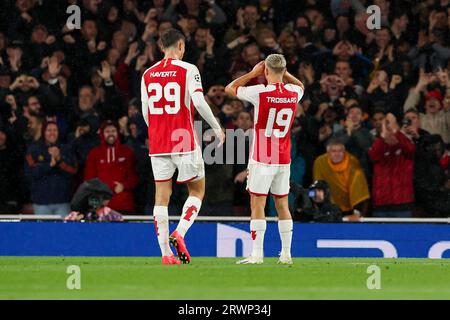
point(166, 91)
point(275, 108)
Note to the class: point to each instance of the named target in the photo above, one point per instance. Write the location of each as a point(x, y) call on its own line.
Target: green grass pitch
point(214, 278)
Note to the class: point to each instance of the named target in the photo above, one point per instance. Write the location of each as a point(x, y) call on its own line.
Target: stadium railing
point(6, 218)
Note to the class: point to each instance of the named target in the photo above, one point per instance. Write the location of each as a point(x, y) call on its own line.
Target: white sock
point(258, 229)
point(190, 212)
point(285, 228)
point(161, 215)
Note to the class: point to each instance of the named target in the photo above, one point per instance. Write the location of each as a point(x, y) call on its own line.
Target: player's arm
point(289, 78)
point(144, 99)
point(195, 88)
point(232, 88)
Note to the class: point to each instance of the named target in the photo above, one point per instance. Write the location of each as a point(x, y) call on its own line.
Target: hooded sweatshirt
point(113, 163)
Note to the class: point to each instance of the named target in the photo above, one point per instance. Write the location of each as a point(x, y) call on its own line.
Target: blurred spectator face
point(345, 52)
point(382, 37)
point(355, 116)
point(5, 81)
point(129, 29)
point(289, 44)
point(110, 134)
point(447, 101)
point(132, 111)
point(334, 86)
point(402, 22)
point(244, 121)
point(2, 140)
point(39, 35)
point(92, 5)
point(200, 38)
point(96, 80)
point(89, 30)
point(164, 26)
point(251, 54)
point(441, 20)
point(51, 134)
point(217, 94)
point(113, 57)
point(34, 125)
point(302, 22)
point(343, 70)
point(251, 16)
point(330, 116)
point(33, 104)
point(336, 153)
point(120, 42)
point(192, 25)
point(86, 99)
point(192, 4)
point(414, 118)
point(377, 120)
point(24, 5)
point(342, 24)
point(158, 3)
point(432, 106)
point(237, 106)
point(113, 15)
point(133, 130)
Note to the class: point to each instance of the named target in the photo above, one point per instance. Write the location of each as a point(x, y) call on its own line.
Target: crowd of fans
point(374, 122)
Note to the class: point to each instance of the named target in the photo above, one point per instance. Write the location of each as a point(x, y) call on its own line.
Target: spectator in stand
point(431, 181)
point(345, 176)
point(49, 167)
point(114, 164)
point(436, 119)
point(11, 171)
point(356, 138)
point(393, 157)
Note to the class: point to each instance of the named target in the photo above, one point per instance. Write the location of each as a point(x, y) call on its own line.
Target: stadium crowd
point(374, 122)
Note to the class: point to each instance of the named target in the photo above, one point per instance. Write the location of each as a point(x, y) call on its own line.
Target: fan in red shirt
point(114, 164)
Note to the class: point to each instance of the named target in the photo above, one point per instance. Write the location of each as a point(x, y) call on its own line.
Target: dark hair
point(412, 110)
point(171, 37)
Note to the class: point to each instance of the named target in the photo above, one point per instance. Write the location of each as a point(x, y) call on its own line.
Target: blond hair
point(276, 63)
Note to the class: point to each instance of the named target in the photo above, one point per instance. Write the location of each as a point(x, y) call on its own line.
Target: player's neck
point(171, 55)
point(274, 80)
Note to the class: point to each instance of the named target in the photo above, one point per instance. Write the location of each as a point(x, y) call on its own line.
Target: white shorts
point(263, 178)
point(190, 167)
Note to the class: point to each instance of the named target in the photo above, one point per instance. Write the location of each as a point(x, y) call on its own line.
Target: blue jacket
point(49, 185)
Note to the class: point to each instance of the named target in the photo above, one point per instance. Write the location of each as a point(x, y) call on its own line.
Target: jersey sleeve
point(194, 80)
point(250, 94)
point(144, 100)
point(296, 89)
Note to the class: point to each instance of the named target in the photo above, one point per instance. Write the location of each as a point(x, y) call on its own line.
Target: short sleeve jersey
point(275, 108)
point(166, 91)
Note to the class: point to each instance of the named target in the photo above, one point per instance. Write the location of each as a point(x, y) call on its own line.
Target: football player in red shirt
point(269, 166)
point(170, 90)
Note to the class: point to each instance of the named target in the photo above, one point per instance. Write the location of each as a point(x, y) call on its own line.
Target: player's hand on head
point(259, 68)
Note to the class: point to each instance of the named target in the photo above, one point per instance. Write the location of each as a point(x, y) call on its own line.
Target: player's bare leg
point(285, 227)
point(190, 212)
point(161, 216)
point(258, 227)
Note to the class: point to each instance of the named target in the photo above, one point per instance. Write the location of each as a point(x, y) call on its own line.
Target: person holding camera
point(314, 204)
